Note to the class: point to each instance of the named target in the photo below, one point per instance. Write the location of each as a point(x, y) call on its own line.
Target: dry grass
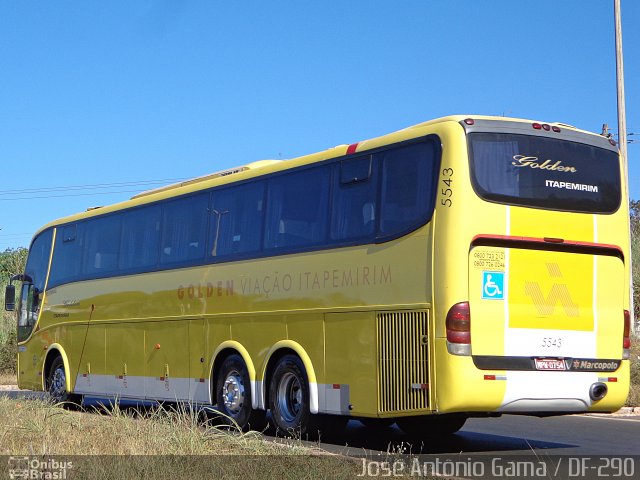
point(170, 441)
point(37, 427)
point(8, 379)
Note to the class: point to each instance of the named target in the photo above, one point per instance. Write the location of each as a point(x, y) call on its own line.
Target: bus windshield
point(544, 172)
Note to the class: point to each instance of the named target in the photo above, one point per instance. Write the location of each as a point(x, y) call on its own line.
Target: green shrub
point(12, 261)
point(8, 363)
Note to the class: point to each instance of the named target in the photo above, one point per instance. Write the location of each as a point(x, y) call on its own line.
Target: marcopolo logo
point(38, 468)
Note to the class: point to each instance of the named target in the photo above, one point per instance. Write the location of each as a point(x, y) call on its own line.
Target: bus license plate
point(550, 364)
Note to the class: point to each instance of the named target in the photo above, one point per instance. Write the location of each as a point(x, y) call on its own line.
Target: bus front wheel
point(233, 395)
point(289, 396)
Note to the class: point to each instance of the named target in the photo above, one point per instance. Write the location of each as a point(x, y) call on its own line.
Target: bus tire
point(431, 426)
point(289, 396)
point(233, 395)
point(57, 386)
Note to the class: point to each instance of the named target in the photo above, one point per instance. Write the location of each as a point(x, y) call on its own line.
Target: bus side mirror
point(10, 298)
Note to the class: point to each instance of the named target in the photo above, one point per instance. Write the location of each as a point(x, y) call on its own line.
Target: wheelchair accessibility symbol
point(493, 285)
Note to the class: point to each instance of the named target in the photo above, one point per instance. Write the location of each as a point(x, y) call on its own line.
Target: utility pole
point(622, 129)
point(622, 117)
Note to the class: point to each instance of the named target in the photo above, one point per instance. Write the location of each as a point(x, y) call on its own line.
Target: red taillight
point(469, 121)
point(458, 324)
point(537, 126)
point(626, 334)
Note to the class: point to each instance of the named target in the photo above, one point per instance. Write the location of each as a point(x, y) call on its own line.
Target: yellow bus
point(465, 266)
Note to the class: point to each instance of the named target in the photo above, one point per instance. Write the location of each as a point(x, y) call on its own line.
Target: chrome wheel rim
point(289, 397)
point(233, 392)
point(58, 387)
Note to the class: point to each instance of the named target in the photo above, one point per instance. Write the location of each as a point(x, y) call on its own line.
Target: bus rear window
point(544, 172)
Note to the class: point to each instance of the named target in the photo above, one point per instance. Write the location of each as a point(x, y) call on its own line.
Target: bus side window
point(236, 220)
point(297, 209)
point(184, 224)
point(140, 238)
point(408, 187)
point(67, 255)
point(353, 213)
point(102, 245)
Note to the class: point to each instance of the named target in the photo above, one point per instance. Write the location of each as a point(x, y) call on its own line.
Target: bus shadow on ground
point(358, 440)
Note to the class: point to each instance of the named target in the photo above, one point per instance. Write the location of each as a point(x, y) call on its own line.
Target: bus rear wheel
point(289, 396)
point(233, 395)
point(57, 386)
point(431, 426)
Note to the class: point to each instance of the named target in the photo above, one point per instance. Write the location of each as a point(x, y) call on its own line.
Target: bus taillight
point(458, 325)
point(626, 335)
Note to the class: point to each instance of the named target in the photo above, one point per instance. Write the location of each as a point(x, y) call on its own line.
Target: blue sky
point(119, 94)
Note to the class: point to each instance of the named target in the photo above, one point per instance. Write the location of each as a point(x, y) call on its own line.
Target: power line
point(65, 188)
point(16, 234)
point(69, 195)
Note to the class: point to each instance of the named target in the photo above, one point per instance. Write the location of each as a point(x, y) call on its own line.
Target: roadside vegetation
point(12, 261)
point(171, 441)
point(634, 394)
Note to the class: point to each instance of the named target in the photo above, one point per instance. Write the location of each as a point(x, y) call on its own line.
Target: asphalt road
point(506, 435)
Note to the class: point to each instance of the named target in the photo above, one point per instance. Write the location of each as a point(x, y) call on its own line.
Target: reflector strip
point(420, 386)
point(608, 379)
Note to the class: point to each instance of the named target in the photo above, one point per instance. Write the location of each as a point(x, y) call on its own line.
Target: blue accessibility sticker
point(493, 285)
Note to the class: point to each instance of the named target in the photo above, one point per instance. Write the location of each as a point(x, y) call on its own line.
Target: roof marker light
point(536, 126)
point(469, 121)
point(555, 129)
point(612, 142)
point(546, 127)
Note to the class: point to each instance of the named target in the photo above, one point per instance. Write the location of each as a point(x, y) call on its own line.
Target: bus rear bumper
point(462, 387)
point(526, 405)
